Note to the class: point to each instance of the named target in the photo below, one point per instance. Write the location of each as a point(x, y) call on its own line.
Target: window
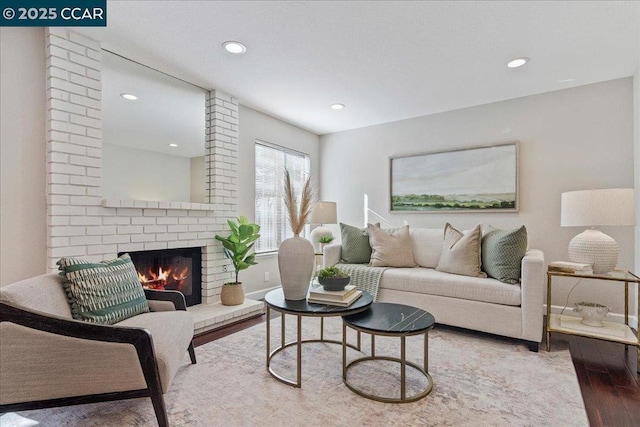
point(271, 216)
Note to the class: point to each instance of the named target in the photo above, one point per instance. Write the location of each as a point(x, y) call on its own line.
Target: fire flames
point(169, 278)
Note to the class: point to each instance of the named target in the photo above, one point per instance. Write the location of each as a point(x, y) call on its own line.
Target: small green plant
point(325, 239)
point(331, 272)
point(239, 243)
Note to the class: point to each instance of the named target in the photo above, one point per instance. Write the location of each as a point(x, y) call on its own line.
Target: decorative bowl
point(334, 283)
point(592, 313)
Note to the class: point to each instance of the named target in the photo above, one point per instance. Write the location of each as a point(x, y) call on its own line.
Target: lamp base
point(595, 248)
point(315, 236)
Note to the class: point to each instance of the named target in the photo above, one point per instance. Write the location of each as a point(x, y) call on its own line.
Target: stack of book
point(570, 267)
point(343, 298)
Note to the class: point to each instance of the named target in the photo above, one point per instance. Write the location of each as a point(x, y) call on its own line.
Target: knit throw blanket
point(364, 277)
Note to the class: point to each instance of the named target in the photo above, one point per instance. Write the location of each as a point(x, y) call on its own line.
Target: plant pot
point(592, 314)
point(295, 262)
point(232, 294)
point(334, 283)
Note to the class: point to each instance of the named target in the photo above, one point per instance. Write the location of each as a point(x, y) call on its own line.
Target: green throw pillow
point(106, 292)
point(355, 244)
point(502, 253)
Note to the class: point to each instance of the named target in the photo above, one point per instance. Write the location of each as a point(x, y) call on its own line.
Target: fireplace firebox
point(171, 269)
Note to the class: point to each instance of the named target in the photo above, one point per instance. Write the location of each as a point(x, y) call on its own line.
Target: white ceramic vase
point(295, 262)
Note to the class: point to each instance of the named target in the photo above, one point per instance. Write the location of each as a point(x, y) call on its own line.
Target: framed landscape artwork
point(470, 179)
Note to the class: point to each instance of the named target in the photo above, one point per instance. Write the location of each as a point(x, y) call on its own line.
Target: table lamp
point(323, 213)
point(591, 208)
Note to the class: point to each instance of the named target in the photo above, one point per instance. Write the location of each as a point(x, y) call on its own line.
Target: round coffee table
point(275, 300)
point(395, 320)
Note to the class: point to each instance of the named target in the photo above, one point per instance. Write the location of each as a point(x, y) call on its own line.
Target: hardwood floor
point(606, 372)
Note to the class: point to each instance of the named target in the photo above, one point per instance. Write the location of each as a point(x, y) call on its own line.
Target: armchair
point(48, 359)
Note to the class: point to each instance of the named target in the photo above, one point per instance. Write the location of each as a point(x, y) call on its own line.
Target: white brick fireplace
point(82, 223)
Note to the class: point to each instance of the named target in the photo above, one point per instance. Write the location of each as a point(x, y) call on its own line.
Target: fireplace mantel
point(149, 204)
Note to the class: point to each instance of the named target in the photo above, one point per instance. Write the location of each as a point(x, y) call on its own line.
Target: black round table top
point(275, 299)
point(392, 319)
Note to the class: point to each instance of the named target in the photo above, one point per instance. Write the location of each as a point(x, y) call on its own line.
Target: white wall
point(572, 139)
point(22, 154)
point(255, 125)
point(133, 174)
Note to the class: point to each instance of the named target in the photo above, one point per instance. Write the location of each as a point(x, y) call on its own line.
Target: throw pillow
point(105, 292)
point(461, 252)
point(390, 248)
point(355, 244)
point(502, 253)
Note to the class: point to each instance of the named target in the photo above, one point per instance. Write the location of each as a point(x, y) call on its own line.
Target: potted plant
point(324, 240)
point(333, 279)
point(237, 247)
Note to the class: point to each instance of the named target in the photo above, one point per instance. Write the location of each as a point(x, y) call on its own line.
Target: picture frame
point(473, 179)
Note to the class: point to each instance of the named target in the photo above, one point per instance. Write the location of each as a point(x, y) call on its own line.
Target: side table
point(611, 331)
point(275, 300)
point(393, 320)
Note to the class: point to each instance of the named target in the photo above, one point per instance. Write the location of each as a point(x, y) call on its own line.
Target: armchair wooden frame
point(140, 338)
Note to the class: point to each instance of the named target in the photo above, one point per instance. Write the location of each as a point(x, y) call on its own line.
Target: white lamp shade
point(324, 213)
point(590, 208)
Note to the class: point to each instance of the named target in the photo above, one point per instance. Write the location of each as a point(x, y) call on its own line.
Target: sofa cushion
point(355, 244)
point(172, 332)
point(502, 253)
point(461, 252)
point(105, 292)
point(426, 244)
point(390, 248)
point(433, 282)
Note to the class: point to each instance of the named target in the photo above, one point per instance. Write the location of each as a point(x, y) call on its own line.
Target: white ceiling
point(386, 60)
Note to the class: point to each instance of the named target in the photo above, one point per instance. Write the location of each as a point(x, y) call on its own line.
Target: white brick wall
point(80, 222)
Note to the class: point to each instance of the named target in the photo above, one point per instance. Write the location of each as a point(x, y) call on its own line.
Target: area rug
point(478, 380)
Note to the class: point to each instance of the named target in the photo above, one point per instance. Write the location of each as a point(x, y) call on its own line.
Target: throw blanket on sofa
point(364, 277)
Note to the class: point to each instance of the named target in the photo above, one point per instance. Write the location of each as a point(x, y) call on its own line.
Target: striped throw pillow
point(106, 292)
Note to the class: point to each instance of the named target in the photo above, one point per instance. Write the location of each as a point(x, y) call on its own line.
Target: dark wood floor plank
point(631, 401)
point(610, 407)
point(232, 328)
point(591, 356)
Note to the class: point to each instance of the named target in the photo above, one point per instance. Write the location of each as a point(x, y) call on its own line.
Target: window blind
point(270, 212)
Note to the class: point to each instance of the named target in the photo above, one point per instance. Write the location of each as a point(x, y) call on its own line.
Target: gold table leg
point(548, 312)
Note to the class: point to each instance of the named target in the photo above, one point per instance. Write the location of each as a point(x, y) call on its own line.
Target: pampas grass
point(298, 218)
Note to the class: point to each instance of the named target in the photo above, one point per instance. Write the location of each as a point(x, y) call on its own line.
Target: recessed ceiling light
point(337, 106)
point(566, 80)
point(234, 47)
point(173, 145)
point(129, 96)
point(517, 62)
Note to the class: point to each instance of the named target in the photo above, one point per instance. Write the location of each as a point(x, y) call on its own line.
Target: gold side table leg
point(268, 334)
point(299, 367)
point(344, 350)
point(548, 312)
point(426, 351)
point(282, 327)
point(373, 345)
point(403, 367)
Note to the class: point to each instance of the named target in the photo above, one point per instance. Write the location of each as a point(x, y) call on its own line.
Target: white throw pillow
point(390, 249)
point(461, 252)
point(427, 246)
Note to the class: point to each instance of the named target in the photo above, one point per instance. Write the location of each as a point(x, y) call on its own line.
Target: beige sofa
point(481, 304)
point(48, 359)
